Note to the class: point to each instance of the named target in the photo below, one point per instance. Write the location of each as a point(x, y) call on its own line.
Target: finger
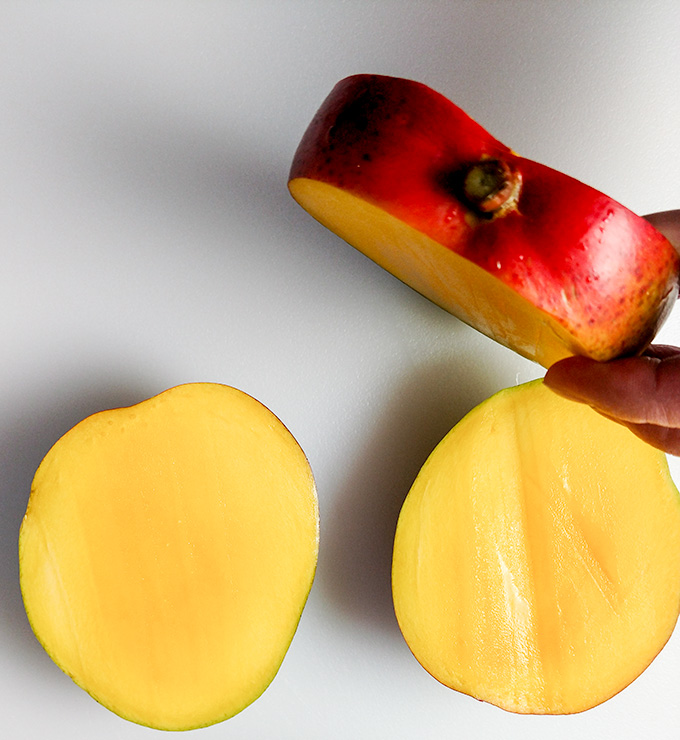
point(638, 390)
point(668, 223)
point(662, 351)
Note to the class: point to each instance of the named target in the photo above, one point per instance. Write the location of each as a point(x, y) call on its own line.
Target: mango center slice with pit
point(537, 556)
point(531, 257)
point(167, 553)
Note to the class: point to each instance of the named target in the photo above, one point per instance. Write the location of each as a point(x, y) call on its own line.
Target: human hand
point(643, 393)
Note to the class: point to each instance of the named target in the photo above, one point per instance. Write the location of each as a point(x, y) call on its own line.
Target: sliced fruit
point(529, 256)
point(537, 556)
point(167, 553)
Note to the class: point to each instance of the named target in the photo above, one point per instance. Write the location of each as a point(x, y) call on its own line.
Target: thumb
point(636, 390)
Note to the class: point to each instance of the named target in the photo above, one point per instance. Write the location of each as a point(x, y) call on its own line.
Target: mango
point(536, 559)
point(167, 553)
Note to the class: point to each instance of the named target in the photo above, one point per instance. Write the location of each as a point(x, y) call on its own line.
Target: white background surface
point(148, 239)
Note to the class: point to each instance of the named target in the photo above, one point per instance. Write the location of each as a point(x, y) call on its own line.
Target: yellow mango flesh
point(167, 553)
point(451, 281)
point(537, 556)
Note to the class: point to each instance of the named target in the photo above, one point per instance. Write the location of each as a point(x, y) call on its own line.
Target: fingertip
point(668, 223)
point(569, 377)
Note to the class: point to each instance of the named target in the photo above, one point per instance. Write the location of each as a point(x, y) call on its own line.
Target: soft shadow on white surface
point(30, 425)
point(355, 564)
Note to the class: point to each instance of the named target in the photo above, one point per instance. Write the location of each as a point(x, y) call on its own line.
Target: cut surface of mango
point(451, 281)
point(167, 552)
point(537, 556)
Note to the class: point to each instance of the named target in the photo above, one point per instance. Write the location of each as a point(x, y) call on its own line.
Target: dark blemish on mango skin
point(353, 134)
point(356, 118)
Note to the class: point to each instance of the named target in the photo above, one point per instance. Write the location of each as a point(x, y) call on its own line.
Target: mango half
point(167, 553)
point(536, 559)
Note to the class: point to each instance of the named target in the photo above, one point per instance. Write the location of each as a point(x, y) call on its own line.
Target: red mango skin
point(585, 259)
